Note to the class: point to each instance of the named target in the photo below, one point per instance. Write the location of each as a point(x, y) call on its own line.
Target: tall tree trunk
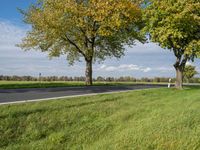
point(179, 77)
point(179, 65)
point(88, 72)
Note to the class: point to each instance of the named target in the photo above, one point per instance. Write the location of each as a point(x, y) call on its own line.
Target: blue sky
point(142, 60)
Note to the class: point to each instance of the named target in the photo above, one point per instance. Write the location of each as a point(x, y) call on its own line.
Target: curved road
point(17, 95)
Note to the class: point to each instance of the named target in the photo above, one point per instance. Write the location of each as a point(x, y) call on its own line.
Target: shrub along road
point(16, 95)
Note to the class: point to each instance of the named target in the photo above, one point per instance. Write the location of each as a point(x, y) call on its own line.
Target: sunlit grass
point(149, 119)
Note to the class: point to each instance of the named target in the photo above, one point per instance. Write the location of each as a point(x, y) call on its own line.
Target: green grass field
point(161, 119)
point(37, 84)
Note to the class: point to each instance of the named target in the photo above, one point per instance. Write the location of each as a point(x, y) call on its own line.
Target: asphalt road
point(15, 95)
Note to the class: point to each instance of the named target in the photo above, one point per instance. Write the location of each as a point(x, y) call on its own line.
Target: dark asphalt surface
point(14, 95)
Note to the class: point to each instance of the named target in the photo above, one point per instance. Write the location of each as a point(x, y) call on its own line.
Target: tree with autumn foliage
point(88, 29)
point(189, 72)
point(175, 25)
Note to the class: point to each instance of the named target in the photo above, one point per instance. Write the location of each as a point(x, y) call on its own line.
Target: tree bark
point(88, 73)
point(179, 77)
point(179, 65)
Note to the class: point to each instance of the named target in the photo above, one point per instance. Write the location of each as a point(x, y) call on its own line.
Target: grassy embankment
point(37, 84)
point(164, 119)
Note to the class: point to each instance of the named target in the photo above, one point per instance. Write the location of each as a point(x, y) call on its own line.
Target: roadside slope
point(150, 119)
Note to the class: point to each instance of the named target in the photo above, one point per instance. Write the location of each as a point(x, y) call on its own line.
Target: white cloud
point(10, 35)
point(123, 67)
point(146, 48)
point(142, 60)
point(128, 68)
point(164, 69)
point(13, 60)
point(147, 69)
point(189, 63)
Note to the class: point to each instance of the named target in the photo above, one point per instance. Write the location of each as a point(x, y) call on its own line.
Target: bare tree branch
point(74, 44)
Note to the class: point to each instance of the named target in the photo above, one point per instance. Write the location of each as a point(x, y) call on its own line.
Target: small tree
point(91, 29)
point(189, 72)
point(175, 25)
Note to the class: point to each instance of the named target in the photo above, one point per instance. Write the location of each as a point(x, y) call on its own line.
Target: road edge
point(72, 96)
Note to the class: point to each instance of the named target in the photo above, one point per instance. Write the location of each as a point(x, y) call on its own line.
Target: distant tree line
point(99, 79)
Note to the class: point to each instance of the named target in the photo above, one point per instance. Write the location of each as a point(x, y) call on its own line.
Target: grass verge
point(36, 84)
point(150, 119)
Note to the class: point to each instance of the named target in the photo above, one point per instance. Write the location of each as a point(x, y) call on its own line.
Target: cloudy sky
point(142, 60)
